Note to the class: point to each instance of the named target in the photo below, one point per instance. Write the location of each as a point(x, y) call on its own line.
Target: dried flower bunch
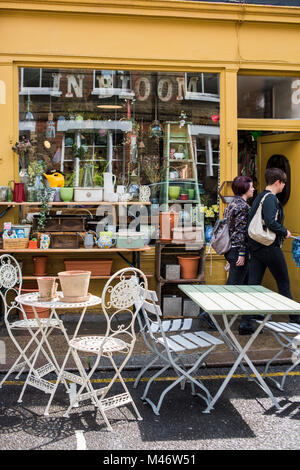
point(24, 148)
point(151, 168)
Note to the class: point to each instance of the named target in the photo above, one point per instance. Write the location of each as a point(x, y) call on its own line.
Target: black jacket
point(270, 207)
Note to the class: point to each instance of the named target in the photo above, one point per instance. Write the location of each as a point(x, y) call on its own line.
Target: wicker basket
point(15, 243)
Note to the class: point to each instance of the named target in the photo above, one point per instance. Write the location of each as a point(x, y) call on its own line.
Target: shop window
point(118, 121)
point(280, 161)
point(268, 97)
point(39, 82)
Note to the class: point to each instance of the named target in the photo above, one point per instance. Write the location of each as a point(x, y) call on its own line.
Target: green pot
point(66, 194)
point(174, 192)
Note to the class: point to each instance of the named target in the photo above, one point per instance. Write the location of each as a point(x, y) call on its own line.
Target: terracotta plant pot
point(189, 266)
point(40, 265)
point(42, 312)
point(167, 221)
point(75, 285)
point(47, 288)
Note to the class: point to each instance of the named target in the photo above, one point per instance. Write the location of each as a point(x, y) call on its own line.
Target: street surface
point(244, 418)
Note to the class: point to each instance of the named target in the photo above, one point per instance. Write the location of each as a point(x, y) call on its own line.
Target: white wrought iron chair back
point(122, 298)
point(10, 284)
point(10, 287)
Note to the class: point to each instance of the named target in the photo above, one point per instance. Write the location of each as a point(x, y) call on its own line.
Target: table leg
point(242, 356)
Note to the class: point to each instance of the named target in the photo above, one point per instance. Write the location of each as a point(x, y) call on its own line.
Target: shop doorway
point(259, 150)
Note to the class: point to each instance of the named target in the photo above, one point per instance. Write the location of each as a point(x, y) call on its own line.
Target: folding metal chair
point(171, 349)
point(11, 284)
point(121, 296)
point(288, 336)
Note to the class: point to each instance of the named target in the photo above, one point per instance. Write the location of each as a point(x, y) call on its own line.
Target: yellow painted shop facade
point(251, 52)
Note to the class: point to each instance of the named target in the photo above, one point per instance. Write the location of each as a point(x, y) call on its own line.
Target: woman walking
point(237, 213)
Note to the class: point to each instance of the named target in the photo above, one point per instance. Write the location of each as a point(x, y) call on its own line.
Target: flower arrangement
point(210, 213)
point(35, 168)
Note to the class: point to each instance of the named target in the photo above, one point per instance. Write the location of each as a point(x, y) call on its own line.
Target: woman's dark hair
point(274, 174)
point(241, 185)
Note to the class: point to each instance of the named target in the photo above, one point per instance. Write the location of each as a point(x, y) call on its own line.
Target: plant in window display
point(150, 166)
point(25, 150)
point(44, 197)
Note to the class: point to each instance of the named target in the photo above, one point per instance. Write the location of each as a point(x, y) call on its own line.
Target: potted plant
point(91, 188)
point(33, 244)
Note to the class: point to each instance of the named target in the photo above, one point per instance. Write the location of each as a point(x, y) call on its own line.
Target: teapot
point(56, 180)
point(106, 239)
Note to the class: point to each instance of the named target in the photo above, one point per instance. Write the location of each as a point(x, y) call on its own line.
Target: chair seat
point(282, 327)
point(93, 344)
point(186, 341)
point(32, 323)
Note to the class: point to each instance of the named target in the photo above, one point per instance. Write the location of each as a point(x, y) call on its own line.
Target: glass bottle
point(9, 193)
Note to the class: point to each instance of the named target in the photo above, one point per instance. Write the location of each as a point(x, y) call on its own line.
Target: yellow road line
point(168, 379)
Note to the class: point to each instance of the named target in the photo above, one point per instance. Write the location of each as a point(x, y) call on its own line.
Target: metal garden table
point(35, 376)
point(232, 301)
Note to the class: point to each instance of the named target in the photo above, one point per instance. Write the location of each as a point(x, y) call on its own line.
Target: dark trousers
point(238, 275)
point(270, 257)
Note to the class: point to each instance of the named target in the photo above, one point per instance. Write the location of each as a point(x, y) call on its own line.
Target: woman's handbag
point(221, 241)
point(257, 229)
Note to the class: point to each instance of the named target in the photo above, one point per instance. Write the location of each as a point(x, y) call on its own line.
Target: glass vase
point(87, 179)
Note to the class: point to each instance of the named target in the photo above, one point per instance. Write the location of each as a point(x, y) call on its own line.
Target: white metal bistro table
point(226, 301)
point(43, 327)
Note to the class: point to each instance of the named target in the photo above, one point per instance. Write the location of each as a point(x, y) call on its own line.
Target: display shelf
point(76, 250)
point(76, 203)
point(166, 253)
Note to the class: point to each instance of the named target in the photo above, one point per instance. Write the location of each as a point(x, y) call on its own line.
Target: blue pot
point(208, 233)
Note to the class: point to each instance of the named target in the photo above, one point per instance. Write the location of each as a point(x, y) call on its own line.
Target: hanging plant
point(45, 208)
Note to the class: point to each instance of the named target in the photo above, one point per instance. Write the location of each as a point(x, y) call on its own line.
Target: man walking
point(262, 256)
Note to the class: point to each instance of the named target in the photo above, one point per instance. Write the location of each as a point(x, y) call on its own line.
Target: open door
point(283, 151)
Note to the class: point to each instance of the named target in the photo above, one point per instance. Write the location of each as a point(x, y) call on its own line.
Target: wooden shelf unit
point(166, 253)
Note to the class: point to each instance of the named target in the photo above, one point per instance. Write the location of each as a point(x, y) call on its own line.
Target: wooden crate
point(64, 240)
point(15, 243)
point(62, 223)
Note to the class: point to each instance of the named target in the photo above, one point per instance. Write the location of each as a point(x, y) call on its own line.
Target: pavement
point(244, 418)
point(263, 348)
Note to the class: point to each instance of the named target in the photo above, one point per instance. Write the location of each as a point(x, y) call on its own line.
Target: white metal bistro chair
point(170, 350)
point(121, 296)
point(288, 336)
point(11, 284)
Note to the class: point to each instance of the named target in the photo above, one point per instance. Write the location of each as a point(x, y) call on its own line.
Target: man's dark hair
point(275, 174)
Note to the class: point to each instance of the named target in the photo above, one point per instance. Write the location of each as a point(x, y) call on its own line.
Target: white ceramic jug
point(109, 182)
